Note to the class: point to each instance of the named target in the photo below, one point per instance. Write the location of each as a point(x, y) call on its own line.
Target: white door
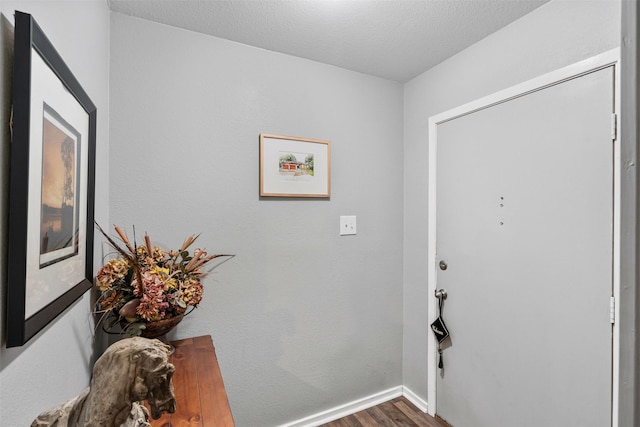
point(524, 223)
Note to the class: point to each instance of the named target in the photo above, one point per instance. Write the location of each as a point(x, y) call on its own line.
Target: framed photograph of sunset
point(51, 186)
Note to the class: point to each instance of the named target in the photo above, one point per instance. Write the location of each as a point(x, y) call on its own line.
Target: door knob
point(441, 293)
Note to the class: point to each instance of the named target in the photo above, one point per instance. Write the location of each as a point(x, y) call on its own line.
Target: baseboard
point(346, 409)
point(415, 399)
point(358, 405)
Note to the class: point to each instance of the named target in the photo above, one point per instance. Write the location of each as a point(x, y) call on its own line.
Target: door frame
point(595, 63)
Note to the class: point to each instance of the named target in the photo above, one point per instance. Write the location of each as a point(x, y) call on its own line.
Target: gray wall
point(555, 35)
point(186, 111)
point(303, 320)
point(56, 364)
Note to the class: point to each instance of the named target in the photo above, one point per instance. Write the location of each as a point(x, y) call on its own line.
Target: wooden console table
point(201, 399)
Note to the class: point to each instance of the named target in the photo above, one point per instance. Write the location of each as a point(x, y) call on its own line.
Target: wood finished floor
point(398, 412)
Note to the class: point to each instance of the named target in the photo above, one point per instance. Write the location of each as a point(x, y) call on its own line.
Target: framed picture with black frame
point(51, 186)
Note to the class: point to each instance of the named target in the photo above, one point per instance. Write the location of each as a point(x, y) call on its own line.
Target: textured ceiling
point(392, 39)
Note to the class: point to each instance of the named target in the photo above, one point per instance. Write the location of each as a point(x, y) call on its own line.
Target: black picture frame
point(51, 186)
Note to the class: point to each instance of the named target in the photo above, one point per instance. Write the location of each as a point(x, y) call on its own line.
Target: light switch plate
point(347, 225)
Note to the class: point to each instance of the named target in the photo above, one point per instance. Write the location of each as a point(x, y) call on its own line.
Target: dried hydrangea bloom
point(152, 302)
point(192, 292)
point(156, 257)
point(112, 271)
point(110, 299)
point(158, 254)
point(150, 308)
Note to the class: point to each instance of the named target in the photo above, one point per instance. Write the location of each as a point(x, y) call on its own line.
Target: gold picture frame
point(294, 167)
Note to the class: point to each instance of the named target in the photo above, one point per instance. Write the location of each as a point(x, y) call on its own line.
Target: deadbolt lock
point(443, 265)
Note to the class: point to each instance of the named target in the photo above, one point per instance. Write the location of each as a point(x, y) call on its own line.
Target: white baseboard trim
point(357, 406)
point(415, 399)
point(346, 409)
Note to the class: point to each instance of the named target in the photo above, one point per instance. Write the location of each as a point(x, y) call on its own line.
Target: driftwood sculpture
point(130, 371)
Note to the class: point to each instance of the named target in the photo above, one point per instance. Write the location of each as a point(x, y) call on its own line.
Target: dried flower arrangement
point(146, 285)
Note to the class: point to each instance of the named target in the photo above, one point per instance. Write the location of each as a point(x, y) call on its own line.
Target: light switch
point(347, 225)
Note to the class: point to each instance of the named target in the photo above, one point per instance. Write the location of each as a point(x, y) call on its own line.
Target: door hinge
point(614, 126)
point(612, 310)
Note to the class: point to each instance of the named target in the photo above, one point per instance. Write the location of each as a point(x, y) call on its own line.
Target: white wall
point(303, 320)
point(56, 364)
point(555, 35)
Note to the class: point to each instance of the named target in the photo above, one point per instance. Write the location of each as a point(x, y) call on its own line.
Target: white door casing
point(503, 205)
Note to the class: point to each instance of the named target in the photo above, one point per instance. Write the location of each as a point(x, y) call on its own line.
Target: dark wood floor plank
point(342, 422)
point(418, 416)
point(381, 417)
point(398, 412)
point(365, 419)
point(396, 415)
point(348, 421)
point(443, 422)
point(353, 421)
point(407, 401)
point(420, 419)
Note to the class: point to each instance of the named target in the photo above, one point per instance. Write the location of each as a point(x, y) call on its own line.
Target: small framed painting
point(51, 188)
point(294, 167)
